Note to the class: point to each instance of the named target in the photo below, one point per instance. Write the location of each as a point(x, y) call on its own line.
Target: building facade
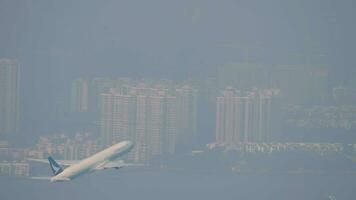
point(9, 97)
point(79, 96)
point(186, 97)
point(243, 117)
point(144, 115)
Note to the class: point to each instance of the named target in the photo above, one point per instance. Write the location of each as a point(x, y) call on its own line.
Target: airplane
point(104, 159)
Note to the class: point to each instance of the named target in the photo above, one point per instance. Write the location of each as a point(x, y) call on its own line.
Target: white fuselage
point(93, 162)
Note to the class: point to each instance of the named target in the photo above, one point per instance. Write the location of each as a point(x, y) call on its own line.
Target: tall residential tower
point(244, 117)
point(144, 115)
point(79, 96)
point(9, 97)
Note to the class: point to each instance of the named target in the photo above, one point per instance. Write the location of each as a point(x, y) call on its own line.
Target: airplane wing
point(41, 177)
point(110, 165)
point(48, 178)
point(64, 163)
point(116, 165)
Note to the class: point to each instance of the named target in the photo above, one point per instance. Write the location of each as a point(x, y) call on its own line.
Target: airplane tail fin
point(56, 168)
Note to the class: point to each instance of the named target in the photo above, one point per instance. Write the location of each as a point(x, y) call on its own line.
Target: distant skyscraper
point(79, 96)
point(243, 118)
point(9, 97)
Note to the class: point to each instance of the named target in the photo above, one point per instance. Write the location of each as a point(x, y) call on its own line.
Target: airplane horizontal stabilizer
point(64, 163)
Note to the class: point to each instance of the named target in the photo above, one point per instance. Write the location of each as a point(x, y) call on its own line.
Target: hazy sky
point(57, 41)
point(90, 37)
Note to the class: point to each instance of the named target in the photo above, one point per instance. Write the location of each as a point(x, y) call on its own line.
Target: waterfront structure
point(14, 168)
point(65, 147)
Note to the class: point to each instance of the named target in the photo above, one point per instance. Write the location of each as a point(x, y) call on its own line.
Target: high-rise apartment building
point(116, 117)
point(145, 115)
point(243, 117)
point(155, 123)
point(9, 97)
point(79, 96)
point(170, 124)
